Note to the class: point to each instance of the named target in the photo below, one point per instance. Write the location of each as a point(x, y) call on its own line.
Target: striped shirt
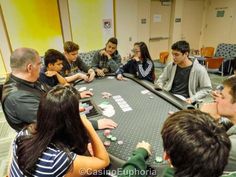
point(53, 162)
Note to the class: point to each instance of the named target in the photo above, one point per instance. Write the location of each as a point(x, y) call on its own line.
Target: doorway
point(160, 14)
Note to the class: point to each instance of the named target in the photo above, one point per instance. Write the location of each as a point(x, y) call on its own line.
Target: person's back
point(194, 146)
point(55, 146)
point(48, 164)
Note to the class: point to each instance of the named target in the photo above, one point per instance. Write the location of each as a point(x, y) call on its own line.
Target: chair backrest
point(87, 57)
point(214, 63)
point(224, 50)
point(207, 51)
point(164, 57)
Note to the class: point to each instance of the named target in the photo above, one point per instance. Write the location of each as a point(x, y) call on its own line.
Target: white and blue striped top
point(53, 162)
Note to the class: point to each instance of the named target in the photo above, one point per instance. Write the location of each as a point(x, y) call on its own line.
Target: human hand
point(81, 76)
point(104, 52)
point(50, 73)
point(189, 100)
point(66, 84)
point(84, 77)
point(106, 123)
point(157, 87)
point(100, 72)
point(86, 94)
point(216, 94)
point(105, 70)
point(145, 145)
point(120, 77)
point(91, 76)
point(136, 58)
point(212, 109)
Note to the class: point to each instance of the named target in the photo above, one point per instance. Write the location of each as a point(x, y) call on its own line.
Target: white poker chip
point(158, 159)
point(82, 89)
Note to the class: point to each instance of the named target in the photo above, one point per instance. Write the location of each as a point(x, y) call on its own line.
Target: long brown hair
point(58, 122)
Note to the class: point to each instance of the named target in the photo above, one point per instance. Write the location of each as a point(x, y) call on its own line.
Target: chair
point(87, 57)
point(163, 57)
point(228, 52)
point(161, 62)
point(207, 51)
point(214, 64)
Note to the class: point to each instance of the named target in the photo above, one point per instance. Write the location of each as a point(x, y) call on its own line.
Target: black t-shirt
point(51, 81)
point(180, 83)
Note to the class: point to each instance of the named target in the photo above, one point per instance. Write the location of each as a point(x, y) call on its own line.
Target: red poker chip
point(107, 143)
point(106, 132)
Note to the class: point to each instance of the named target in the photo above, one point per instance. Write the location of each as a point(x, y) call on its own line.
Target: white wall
point(4, 45)
point(219, 29)
point(129, 29)
point(144, 13)
point(192, 22)
point(126, 25)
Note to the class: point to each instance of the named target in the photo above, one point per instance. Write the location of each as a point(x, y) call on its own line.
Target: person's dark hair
point(231, 83)
point(196, 145)
point(145, 55)
point(181, 46)
point(21, 57)
point(52, 55)
point(70, 46)
point(144, 51)
point(58, 123)
point(113, 40)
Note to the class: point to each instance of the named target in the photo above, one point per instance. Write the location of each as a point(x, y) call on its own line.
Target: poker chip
point(106, 95)
point(109, 136)
point(113, 138)
point(120, 142)
point(81, 109)
point(158, 159)
point(82, 89)
point(107, 143)
point(106, 132)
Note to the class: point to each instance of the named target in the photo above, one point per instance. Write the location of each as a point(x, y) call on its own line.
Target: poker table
point(149, 109)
